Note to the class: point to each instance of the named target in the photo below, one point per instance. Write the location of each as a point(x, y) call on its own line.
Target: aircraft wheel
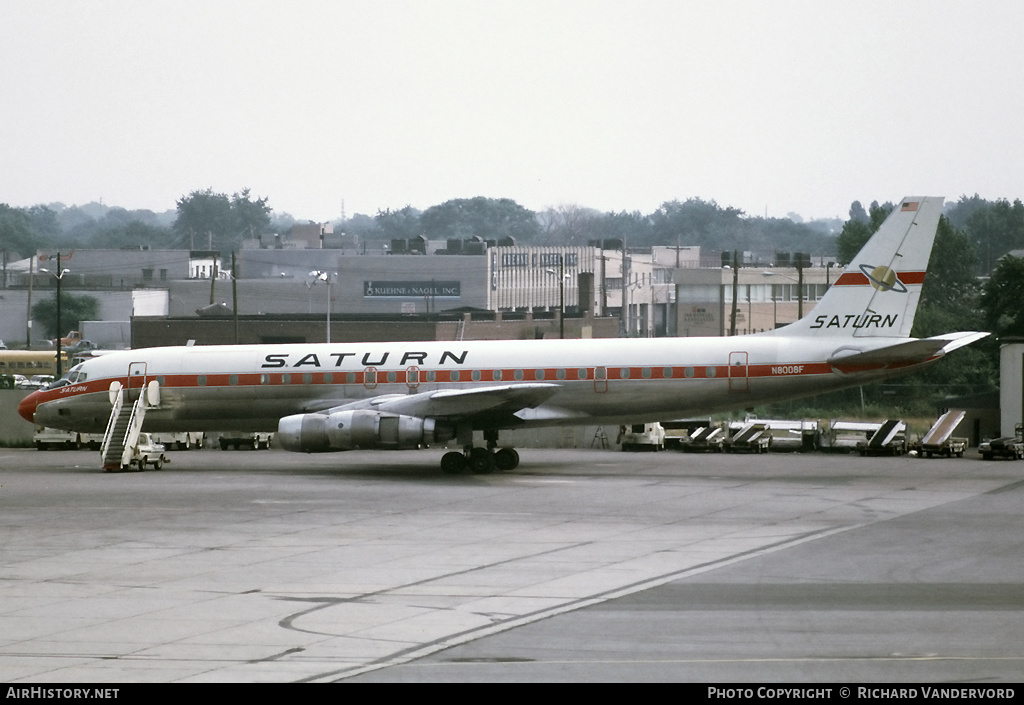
point(506, 459)
point(481, 461)
point(454, 463)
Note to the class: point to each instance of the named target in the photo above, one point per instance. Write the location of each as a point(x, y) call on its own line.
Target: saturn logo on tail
point(883, 278)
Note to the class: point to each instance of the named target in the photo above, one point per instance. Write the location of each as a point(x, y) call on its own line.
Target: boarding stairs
point(128, 411)
point(121, 438)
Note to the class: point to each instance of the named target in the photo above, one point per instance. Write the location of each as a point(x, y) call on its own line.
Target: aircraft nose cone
point(27, 407)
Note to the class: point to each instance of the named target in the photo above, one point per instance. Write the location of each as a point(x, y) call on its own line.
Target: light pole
point(561, 295)
point(799, 291)
point(634, 323)
point(58, 276)
point(318, 276)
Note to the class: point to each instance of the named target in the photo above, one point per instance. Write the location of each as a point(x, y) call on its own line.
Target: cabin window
point(667, 373)
point(496, 375)
point(518, 375)
point(711, 372)
point(538, 374)
point(201, 381)
point(581, 373)
point(646, 373)
point(233, 380)
point(454, 375)
point(624, 373)
point(475, 375)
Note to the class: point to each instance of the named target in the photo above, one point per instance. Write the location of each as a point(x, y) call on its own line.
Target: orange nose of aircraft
point(27, 407)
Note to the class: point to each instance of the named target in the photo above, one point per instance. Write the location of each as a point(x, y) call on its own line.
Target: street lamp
point(799, 290)
point(318, 276)
point(58, 276)
point(627, 293)
point(561, 294)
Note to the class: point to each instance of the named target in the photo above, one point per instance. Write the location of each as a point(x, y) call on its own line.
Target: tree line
point(205, 219)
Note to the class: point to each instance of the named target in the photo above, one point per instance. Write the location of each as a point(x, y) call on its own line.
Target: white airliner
point(343, 396)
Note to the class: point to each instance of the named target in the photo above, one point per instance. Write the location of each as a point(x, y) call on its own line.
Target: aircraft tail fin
point(877, 295)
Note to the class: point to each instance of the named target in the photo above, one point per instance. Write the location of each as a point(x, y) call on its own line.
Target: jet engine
point(361, 428)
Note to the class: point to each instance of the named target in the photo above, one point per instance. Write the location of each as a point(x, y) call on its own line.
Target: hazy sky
point(767, 106)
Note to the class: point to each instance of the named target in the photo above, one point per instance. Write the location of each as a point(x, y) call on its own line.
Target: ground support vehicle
point(642, 437)
point(706, 439)
point(679, 431)
point(792, 436)
point(889, 439)
point(843, 436)
point(1004, 447)
point(939, 439)
point(752, 437)
point(256, 441)
point(146, 452)
point(45, 438)
point(186, 440)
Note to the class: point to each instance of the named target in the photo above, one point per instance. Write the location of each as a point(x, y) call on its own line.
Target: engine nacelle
point(350, 430)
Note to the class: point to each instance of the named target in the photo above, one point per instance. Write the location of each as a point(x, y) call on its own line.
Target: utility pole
point(735, 291)
point(234, 291)
point(28, 317)
point(60, 275)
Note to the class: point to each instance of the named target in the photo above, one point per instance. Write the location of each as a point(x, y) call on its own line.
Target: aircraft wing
point(910, 352)
point(497, 401)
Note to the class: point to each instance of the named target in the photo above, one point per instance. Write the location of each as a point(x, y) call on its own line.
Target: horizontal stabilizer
point(907, 353)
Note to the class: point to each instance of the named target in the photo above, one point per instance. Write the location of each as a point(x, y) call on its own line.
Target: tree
point(208, 219)
point(133, 233)
point(73, 310)
point(251, 218)
point(1002, 297)
point(952, 281)
point(402, 224)
point(631, 228)
point(950, 300)
point(858, 213)
point(569, 224)
point(856, 232)
point(486, 218)
point(996, 228)
point(16, 231)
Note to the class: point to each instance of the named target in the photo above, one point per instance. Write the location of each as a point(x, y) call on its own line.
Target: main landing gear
point(480, 461)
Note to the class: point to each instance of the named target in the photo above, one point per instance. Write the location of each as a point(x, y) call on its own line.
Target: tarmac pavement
point(266, 566)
